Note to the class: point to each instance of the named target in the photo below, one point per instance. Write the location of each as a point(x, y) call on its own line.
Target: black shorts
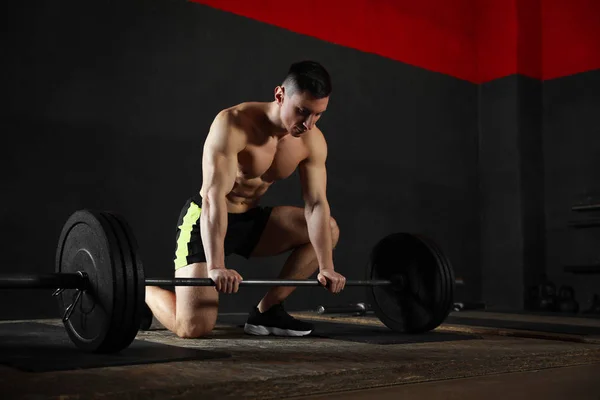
point(243, 232)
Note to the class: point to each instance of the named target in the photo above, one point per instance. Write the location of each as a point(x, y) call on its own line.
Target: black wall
point(572, 164)
point(110, 103)
point(539, 156)
point(512, 190)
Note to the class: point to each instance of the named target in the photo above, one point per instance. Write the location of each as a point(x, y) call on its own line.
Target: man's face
point(299, 112)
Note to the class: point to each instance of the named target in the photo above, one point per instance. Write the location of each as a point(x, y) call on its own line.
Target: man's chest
point(273, 160)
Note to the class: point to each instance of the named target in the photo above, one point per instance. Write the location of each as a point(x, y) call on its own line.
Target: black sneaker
point(277, 322)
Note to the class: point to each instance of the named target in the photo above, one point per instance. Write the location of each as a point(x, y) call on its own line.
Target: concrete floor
point(492, 363)
point(578, 382)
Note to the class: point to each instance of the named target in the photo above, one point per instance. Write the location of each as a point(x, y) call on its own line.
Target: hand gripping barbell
point(100, 284)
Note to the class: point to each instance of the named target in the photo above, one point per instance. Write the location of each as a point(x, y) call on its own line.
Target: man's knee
point(335, 231)
point(196, 307)
point(194, 328)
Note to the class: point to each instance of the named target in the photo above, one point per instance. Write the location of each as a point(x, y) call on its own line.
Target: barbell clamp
point(77, 296)
point(71, 307)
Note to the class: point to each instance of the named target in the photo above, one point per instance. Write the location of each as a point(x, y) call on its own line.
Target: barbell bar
point(44, 281)
point(100, 283)
point(78, 281)
point(260, 282)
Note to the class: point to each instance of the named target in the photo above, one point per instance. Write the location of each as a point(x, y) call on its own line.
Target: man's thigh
point(285, 230)
point(196, 303)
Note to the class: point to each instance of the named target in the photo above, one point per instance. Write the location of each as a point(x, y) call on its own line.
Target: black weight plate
point(86, 244)
point(445, 306)
point(426, 298)
point(138, 269)
point(439, 314)
point(125, 303)
point(139, 280)
point(439, 306)
point(402, 254)
point(134, 275)
point(120, 273)
point(450, 282)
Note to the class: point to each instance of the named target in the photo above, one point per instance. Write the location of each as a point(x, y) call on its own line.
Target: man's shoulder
point(243, 113)
point(315, 143)
point(315, 137)
point(243, 117)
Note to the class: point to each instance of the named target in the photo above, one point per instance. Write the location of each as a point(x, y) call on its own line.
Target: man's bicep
point(313, 171)
point(313, 178)
point(219, 171)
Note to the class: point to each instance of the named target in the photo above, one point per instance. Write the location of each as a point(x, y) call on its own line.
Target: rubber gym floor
point(473, 355)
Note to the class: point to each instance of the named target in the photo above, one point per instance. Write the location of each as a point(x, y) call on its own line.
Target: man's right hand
point(226, 280)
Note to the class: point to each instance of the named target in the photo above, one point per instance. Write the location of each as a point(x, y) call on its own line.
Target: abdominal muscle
point(246, 194)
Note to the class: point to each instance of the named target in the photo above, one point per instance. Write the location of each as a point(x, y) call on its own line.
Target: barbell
point(100, 283)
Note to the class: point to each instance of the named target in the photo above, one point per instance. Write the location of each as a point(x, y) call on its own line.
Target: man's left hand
point(332, 281)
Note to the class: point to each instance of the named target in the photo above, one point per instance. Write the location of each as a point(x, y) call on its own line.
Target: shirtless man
point(248, 147)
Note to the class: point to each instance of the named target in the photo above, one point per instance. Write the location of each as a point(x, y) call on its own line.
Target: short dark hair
point(308, 76)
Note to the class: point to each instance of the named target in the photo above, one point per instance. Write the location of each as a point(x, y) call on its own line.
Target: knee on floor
point(194, 328)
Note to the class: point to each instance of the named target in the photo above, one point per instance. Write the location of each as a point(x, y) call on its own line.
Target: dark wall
point(110, 103)
point(512, 191)
point(572, 163)
point(501, 229)
point(538, 145)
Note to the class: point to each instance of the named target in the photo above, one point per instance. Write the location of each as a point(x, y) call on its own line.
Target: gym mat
point(37, 347)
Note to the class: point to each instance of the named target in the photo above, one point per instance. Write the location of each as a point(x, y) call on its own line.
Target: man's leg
point(287, 230)
point(191, 311)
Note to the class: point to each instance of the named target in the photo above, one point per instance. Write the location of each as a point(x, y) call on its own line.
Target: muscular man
point(248, 147)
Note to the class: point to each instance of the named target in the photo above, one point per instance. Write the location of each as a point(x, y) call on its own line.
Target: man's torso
point(265, 158)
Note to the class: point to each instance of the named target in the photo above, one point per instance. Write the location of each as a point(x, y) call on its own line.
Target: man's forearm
point(319, 232)
point(213, 227)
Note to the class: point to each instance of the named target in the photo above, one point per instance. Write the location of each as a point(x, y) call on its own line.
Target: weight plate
point(134, 276)
point(447, 284)
point(446, 291)
point(87, 244)
point(122, 257)
point(427, 294)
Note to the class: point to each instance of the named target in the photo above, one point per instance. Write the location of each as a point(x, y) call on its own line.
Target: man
point(248, 147)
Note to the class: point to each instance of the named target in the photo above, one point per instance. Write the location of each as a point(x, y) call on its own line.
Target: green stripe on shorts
point(185, 232)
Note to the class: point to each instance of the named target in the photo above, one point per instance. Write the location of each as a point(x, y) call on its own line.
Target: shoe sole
point(260, 330)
